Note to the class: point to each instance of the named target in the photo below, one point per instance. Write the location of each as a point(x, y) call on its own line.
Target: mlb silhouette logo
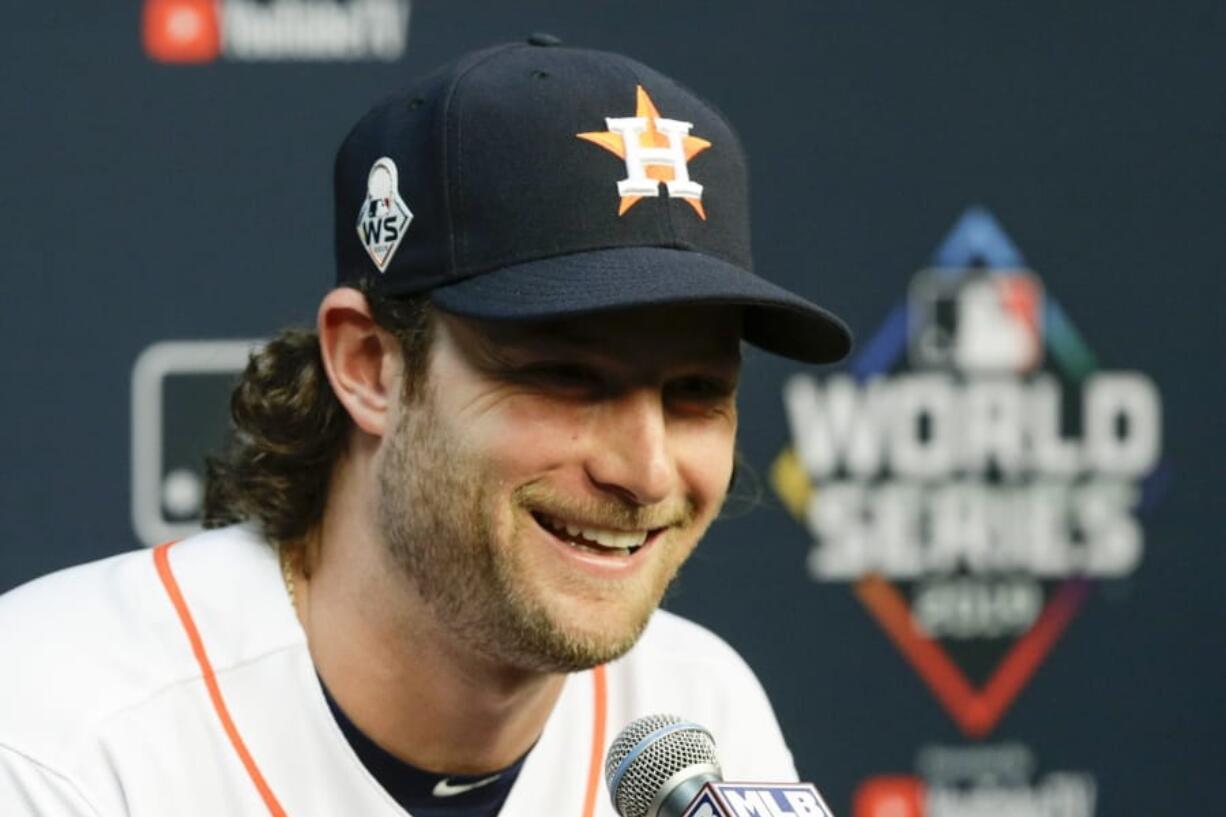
point(976, 321)
point(180, 414)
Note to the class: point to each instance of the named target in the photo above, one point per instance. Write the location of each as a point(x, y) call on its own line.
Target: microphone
point(657, 764)
point(663, 766)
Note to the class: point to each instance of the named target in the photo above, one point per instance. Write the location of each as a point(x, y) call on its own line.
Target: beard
point(438, 517)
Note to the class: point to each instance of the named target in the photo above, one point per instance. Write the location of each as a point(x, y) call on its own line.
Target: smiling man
point(449, 514)
point(553, 476)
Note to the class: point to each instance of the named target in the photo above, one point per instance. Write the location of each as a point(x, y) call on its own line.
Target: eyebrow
point(537, 332)
point(573, 337)
point(560, 336)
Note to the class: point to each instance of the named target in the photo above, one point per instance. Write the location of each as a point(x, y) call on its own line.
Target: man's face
point(548, 480)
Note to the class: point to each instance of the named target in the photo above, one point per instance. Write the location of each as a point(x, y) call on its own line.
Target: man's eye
point(700, 388)
point(564, 375)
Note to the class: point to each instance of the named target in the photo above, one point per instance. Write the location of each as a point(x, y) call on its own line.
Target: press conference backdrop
point(976, 567)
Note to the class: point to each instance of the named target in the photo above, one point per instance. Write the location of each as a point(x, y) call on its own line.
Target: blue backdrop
point(1051, 173)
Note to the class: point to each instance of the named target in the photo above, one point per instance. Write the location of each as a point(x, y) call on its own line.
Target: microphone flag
point(724, 799)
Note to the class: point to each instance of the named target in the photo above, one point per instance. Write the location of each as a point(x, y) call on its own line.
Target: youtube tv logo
point(272, 31)
point(889, 796)
point(184, 31)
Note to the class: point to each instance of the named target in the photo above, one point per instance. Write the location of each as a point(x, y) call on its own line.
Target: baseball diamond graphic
point(976, 674)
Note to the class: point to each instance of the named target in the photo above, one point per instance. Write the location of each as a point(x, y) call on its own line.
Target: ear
point(362, 360)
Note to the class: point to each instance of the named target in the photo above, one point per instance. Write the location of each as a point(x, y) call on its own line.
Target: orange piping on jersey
point(598, 725)
point(162, 561)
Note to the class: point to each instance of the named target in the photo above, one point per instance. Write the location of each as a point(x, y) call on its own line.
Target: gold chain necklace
point(287, 574)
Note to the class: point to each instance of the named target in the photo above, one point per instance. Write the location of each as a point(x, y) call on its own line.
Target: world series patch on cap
point(532, 181)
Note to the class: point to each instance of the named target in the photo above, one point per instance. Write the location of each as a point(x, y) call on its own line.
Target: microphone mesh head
point(636, 789)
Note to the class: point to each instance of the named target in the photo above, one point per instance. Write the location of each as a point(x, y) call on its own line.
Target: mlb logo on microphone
point(758, 800)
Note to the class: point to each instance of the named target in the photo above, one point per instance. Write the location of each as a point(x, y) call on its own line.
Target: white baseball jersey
point(178, 682)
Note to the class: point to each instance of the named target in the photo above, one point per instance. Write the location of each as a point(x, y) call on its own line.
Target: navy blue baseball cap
point(535, 181)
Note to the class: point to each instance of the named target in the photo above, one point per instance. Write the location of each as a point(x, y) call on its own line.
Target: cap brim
point(581, 283)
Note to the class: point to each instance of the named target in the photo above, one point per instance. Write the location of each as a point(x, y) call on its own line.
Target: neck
point(397, 672)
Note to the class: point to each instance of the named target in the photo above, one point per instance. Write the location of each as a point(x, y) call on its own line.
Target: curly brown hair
point(289, 427)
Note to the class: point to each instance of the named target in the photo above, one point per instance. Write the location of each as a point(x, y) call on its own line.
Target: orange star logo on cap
point(655, 150)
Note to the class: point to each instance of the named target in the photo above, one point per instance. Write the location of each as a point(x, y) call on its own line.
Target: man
point(460, 501)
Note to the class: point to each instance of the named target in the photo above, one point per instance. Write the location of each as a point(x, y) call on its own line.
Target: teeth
point(619, 540)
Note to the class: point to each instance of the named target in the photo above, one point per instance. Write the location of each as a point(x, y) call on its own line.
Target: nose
point(630, 456)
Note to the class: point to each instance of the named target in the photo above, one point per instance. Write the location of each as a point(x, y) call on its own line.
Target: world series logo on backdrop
point(971, 474)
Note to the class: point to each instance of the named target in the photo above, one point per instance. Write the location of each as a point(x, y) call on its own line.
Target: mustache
point(610, 513)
